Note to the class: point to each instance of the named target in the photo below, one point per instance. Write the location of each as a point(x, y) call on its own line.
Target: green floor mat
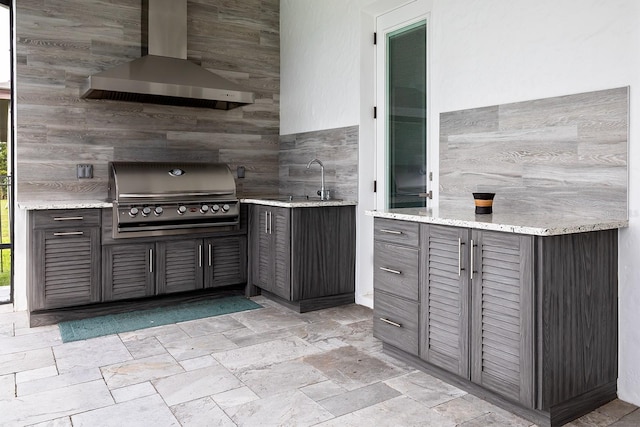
point(76, 330)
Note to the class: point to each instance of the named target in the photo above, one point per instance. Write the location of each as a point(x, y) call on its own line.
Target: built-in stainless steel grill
point(155, 199)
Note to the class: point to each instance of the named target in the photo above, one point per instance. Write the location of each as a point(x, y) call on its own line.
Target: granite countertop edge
point(297, 203)
point(37, 205)
point(34, 205)
point(543, 225)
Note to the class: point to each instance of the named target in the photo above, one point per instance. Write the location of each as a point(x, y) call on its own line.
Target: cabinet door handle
point(397, 325)
point(266, 222)
point(460, 243)
point(270, 223)
point(200, 256)
point(471, 261)
point(388, 270)
point(382, 230)
point(210, 255)
point(68, 218)
point(69, 233)
point(150, 260)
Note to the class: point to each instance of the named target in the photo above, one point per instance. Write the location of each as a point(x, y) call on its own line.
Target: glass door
point(401, 150)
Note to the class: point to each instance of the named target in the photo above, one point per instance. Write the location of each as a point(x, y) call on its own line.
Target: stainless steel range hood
point(165, 76)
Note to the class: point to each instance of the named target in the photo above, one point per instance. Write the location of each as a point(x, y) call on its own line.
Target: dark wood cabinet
point(271, 255)
point(502, 331)
point(444, 335)
point(527, 322)
point(225, 261)
point(477, 320)
point(128, 271)
point(75, 264)
point(396, 305)
point(305, 257)
point(65, 258)
point(179, 265)
point(134, 270)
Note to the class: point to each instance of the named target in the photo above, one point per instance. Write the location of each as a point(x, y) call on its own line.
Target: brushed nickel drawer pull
point(397, 325)
point(200, 256)
point(471, 262)
point(460, 243)
point(150, 260)
point(388, 270)
point(382, 230)
point(210, 255)
point(68, 218)
point(69, 233)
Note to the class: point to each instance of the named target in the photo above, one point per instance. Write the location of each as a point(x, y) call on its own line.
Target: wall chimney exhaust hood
point(164, 75)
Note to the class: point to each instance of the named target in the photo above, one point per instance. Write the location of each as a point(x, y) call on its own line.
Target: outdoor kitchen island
point(518, 309)
point(78, 269)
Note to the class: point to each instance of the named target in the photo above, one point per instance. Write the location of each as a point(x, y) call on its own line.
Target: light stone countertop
point(546, 224)
point(297, 202)
point(40, 205)
point(34, 205)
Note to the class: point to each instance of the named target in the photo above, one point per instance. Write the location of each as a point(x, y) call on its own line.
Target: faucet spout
point(322, 193)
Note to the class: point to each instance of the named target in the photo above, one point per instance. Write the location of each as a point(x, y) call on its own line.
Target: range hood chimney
point(164, 75)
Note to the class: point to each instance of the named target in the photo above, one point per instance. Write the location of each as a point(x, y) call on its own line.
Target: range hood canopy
point(164, 75)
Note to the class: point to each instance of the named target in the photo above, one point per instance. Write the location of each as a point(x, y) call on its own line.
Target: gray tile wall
point(336, 148)
point(566, 154)
point(60, 43)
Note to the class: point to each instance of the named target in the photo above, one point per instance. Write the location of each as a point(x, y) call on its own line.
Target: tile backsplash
point(59, 45)
point(565, 154)
point(336, 148)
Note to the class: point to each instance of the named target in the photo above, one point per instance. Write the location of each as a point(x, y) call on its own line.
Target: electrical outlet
point(84, 171)
point(241, 171)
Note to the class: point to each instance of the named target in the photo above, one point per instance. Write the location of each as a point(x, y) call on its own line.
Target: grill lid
point(138, 182)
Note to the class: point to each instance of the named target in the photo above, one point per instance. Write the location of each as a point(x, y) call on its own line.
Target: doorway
point(6, 149)
point(402, 164)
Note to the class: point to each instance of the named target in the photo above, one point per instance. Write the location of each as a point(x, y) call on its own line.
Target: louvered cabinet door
point(67, 268)
point(128, 271)
point(225, 261)
point(179, 265)
point(262, 256)
point(444, 298)
point(502, 314)
point(280, 228)
point(271, 250)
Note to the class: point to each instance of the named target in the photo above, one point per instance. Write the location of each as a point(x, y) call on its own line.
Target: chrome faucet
point(324, 194)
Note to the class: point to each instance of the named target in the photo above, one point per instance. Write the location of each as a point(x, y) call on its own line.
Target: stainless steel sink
point(296, 198)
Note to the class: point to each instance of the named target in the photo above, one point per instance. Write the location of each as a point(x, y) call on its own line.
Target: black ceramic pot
point(484, 202)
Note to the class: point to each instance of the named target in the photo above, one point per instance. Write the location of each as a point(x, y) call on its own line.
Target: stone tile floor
point(266, 367)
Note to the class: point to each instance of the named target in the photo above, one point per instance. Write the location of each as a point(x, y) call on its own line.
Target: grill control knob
point(204, 208)
point(158, 210)
point(133, 212)
point(215, 208)
point(225, 208)
point(182, 210)
point(146, 211)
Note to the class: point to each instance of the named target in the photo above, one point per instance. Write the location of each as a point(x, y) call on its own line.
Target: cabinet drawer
point(394, 231)
point(396, 270)
point(395, 321)
point(66, 218)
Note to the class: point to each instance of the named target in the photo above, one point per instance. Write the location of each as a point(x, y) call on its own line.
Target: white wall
point(320, 66)
point(483, 53)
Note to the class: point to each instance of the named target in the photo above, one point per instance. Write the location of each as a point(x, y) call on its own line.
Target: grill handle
point(180, 195)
